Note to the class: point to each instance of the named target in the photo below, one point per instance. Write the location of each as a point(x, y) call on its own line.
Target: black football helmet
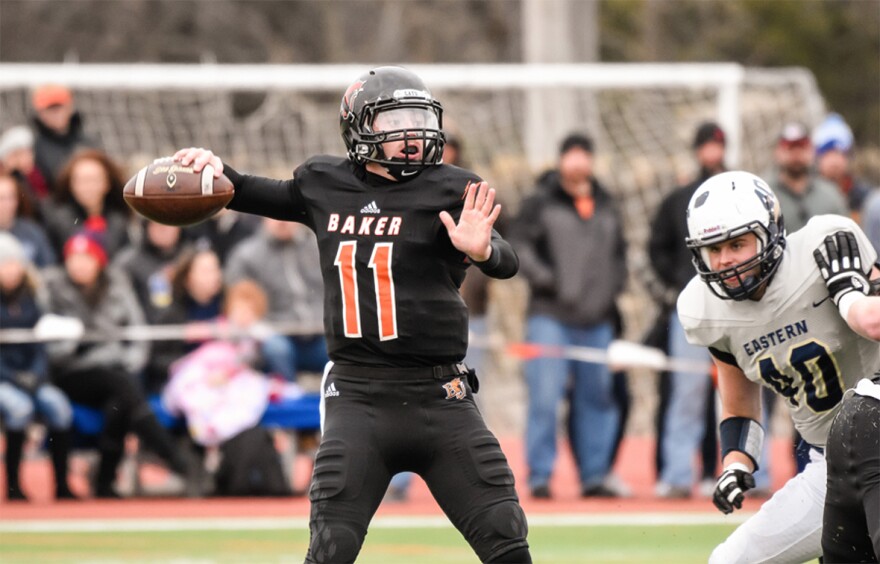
point(409, 113)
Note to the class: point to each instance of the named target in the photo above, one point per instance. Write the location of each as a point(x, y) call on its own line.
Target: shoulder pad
point(705, 317)
point(812, 235)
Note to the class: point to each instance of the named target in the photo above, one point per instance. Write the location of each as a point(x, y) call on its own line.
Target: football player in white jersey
point(789, 312)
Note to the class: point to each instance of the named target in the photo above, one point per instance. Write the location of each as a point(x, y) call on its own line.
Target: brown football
point(170, 193)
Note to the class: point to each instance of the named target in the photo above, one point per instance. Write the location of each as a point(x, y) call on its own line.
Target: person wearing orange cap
point(59, 129)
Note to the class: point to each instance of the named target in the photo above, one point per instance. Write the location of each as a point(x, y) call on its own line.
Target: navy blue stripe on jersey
point(724, 357)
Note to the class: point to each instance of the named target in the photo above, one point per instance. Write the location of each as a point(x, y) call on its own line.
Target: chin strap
point(402, 172)
point(749, 283)
point(744, 290)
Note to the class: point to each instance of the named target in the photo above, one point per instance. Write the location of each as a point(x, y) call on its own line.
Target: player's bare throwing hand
point(473, 232)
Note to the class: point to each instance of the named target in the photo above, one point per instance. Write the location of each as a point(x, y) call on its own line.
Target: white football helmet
point(724, 207)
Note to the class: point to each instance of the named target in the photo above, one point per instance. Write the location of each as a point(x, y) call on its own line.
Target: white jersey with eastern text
point(793, 339)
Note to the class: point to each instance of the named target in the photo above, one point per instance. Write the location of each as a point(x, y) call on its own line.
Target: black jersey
point(391, 274)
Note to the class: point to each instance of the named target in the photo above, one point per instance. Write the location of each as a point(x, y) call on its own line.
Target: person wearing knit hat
point(88, 242)
point(85, 258)
point(833, 140)
point(15, 139)
point(104, 374)
point(833, 134)
point(708, 132)
point(11, 249)
point(687, 413)
point(17, 159)
point(25, 391)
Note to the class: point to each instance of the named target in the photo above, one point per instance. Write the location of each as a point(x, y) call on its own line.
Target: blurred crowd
point(70, 249)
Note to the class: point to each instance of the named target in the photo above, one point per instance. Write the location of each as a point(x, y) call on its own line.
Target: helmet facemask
point(748, 280)
point(403, 139)
point(728, 206)
point(389, 117)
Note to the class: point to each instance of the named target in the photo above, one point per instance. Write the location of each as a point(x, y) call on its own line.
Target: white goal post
point(727, 80)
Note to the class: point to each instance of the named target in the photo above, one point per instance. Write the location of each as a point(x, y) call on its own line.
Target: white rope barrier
point(58, 328)
point(620, 355)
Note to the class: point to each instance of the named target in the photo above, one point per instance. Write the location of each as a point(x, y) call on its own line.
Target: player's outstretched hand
point(731, 487)
point(199, 157)
point(473, 233)
point(842, 271)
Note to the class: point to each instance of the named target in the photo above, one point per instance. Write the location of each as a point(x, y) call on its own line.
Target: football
point(167, 192)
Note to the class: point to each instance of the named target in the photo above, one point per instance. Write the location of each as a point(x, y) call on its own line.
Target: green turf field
point(679, 544)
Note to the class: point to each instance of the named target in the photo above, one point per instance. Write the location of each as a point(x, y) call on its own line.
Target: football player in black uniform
point(851, 522)
point(396, 230)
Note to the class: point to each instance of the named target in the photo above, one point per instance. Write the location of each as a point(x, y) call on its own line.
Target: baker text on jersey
point(364, 225)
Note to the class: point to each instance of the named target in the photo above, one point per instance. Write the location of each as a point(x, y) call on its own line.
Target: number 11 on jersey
point(386, 305)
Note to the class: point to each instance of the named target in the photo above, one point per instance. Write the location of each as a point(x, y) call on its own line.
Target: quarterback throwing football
point(396, 230)
point(791, 313)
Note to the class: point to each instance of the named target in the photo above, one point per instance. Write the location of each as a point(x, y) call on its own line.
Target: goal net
point(267, 119)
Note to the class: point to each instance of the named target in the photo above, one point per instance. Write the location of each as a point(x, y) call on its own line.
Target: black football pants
point(851, 524)
point(378, 422)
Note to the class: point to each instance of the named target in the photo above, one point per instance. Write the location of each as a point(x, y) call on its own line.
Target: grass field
point(613, 544)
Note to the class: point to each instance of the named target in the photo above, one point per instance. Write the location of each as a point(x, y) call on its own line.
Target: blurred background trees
point(838, 40)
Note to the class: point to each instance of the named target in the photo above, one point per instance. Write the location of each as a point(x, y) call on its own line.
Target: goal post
point(726, 81)
point(266, 119)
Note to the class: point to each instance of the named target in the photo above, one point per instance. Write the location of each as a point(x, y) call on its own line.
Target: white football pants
point(787, 528)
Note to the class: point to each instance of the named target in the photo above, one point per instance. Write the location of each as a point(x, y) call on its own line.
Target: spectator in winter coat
point(15, 218)
point(802, 193)
point(88, 194)
point(59, 129)
point(149, 264)
point(283, 259)
point(224, 231)
point(103, 373)
point(25, 391)
point(17, 159)
point(197, 296)
point(571, 248)
point(833, 140)
point(690, 397)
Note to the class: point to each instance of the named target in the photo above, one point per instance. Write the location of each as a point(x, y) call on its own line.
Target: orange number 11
point(386, 307)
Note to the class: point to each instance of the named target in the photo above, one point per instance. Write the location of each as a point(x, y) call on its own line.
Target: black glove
point(731, 487)
point(843, 270)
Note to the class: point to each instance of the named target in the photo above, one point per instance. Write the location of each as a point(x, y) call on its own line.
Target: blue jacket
point(19, 310)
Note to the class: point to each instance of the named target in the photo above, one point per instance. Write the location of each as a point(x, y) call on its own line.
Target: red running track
point(634, 466)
